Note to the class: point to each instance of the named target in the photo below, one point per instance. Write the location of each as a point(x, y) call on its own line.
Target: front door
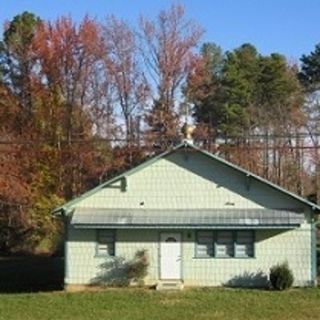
point(170, 255)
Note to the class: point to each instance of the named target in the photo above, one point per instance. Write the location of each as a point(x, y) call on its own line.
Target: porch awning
point(185, 218)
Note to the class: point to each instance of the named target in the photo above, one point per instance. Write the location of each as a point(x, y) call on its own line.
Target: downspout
point(66, 239)
point(314, 225)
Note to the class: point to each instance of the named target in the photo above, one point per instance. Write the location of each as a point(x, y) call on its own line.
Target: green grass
point(22, 277)
point(189, 304)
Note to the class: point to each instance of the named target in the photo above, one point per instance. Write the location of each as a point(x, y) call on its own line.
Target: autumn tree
point(14, 189)
point(124, 68)
point(70, 57)
point(16, 121)
point(67, 56)
point(167, 46)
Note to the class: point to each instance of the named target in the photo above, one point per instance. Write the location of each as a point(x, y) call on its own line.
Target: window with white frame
point(105, 242)
point(204, 244)
point(225, 244)
point(244, 244)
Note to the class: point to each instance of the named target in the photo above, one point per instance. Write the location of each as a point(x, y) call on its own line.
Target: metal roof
point(195, 218)
point(69, 205)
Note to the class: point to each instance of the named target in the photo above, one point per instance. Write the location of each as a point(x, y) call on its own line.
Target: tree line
point(81, 101)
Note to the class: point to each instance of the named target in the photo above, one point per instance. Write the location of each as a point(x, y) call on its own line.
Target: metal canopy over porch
point(185, 218)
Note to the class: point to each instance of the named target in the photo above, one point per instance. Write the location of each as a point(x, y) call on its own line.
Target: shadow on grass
point(31, 274)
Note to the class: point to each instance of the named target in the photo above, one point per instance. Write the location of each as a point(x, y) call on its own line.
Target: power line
point(158, 140)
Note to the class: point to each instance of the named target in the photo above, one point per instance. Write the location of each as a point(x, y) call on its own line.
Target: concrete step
point(169, 285)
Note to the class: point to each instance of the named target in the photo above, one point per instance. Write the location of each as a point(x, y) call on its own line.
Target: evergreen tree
point(16, 58)
point(279, 95)
point(240, 74)
point(310, 70)
point(309, 76)
point(203, 88)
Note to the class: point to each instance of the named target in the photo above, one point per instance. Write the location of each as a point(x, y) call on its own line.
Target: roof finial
point(187, 129)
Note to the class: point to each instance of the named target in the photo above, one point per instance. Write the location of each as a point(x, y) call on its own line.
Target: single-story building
point(202, 220)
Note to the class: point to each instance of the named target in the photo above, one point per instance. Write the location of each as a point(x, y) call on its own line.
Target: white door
point(170, 255)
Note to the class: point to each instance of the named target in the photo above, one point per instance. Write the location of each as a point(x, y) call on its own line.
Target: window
point(244, 244)
point(105, 242)
point(225, 244)
point(205, 244)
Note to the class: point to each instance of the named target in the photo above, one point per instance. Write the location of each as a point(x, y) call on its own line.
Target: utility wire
point(145, 137)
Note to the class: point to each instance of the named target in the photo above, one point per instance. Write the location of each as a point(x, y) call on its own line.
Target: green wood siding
point(186, 181)
point(271, 246)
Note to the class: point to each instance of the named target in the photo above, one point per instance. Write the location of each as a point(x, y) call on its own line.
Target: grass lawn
point(147, 304)
point(22, 277)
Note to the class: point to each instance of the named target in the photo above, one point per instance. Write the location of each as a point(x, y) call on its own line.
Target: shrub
point(281, 276)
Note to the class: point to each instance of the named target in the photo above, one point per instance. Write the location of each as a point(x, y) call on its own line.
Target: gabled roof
point(184, 144)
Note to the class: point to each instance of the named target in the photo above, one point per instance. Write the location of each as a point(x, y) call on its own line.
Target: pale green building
point(202, 221)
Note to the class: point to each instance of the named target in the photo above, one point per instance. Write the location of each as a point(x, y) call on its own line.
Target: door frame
point(159, 253)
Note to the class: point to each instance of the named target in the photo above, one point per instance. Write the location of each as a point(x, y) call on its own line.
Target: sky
point(290, 27)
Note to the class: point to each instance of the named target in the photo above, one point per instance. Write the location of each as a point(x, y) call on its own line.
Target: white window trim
point(214, 242)
point(98, 243)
